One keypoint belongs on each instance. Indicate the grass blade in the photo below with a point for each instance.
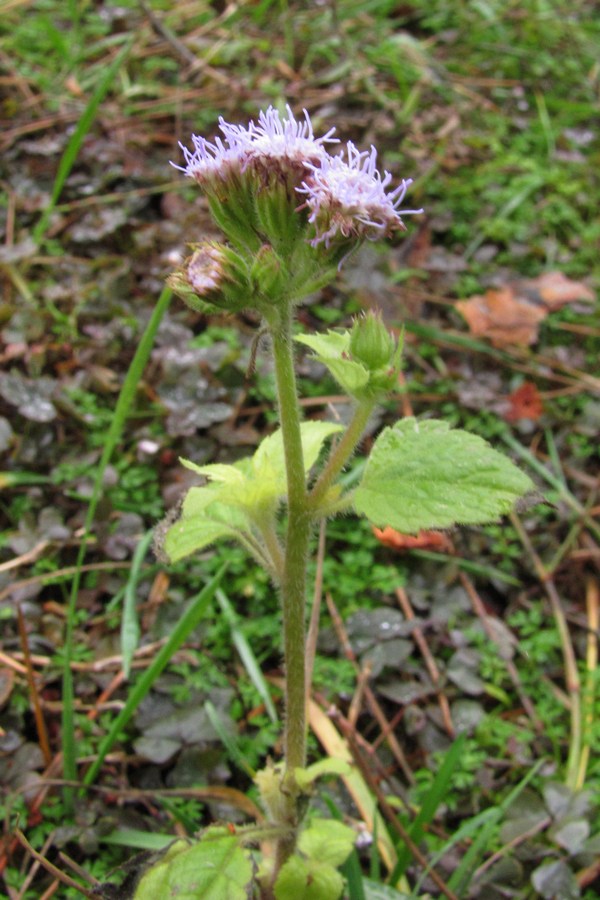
(351, 869)
(140, 840)
(462, 874)
(434, 797)
(227, 739)
(73, 147)
(130, 626)
(124, 403)
(246, 655)
(189, 620)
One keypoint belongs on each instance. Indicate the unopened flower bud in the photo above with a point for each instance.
(214, 277)
(371, 343)
(268, 274)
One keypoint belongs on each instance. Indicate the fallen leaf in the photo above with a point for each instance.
(512, 314)
(524, 403)
(424, 540)
(555, 289)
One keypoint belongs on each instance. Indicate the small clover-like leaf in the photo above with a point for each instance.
(426, 475)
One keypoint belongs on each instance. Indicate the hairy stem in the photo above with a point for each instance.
(293, 585)
(342, 452)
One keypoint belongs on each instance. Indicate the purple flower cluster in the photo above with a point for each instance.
(345, 194)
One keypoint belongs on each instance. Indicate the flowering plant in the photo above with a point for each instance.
(291, 213)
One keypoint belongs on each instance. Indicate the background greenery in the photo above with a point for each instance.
(490, 107)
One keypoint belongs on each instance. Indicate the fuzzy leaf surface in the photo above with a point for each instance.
(327, 841)
(214, 868)
(203, 520)
(301, 879)
(427, 475)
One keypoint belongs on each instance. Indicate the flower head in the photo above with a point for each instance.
(209, 161)
(271, 142)
(349, 199)
(274, 139)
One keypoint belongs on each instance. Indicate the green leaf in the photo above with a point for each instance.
(130, 626)
(328, 766)
(269, 459)
(329, 345)
(203, 521)
(333, 351)
(327, 841)
(425, 475)
(214, 868)
(301, 879)
(255, 484)
(216, 471)
(374, 890)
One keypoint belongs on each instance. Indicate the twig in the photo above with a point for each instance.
(168, 36)
(572, 680)
(40, 722)
(49, 577)
(479, 610)
(60, 876)
(372, 702)
(25, 558)
(434, 672)
(387, 810)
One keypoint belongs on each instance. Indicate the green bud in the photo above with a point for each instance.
(371, 343)
(268, 274)
(214, 277)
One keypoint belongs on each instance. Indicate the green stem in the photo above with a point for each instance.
(342, 452)
(293, 585)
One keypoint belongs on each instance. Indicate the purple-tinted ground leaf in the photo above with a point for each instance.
(562, 801)
(571, 835)
(506, 872)
(386, 654)
(122, 542)
(462, 670)
(32, 397)
(466, 715)
(156, 749)
(165, 731)
(15, 769)
(504, 639)
(448, 603)
(48, 527)
(405, 692)
(192, 418)
(555, 880)
(527, 813)
(10, 740)
(6, 434)
(366, 627)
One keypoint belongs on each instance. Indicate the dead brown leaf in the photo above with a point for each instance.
(512, 314)
(525, 403)
(424, 540)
